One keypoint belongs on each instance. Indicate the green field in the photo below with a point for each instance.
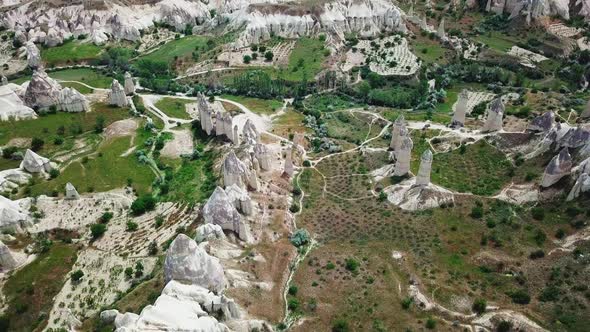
(430, 51)
(305, 60)
(257, 105)
(174, 107)
(70, 52)
(30, 290)
(177, 48)
(84, 75)
(105, 170)
(497, 41)
(48, 125)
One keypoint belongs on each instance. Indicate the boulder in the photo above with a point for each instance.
(542, 123)
(188, 263)
(220, 210)
(495, 116)
(250, 133)
(7, 259)
(109, 316)
(71, 192)
(117, 95)
(12, 216)
(13, 178)
(34, 163)
(558, 167)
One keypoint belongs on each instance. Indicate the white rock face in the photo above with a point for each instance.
(582, 185)
(494, 117)
(3, 80)
(402, 157)
(558, 167)
(458, 120)
(7, 259)
(33, 55)
(180, 307)
(263, 155)
(207, 232)
(410, 197)
(240, 199)
(533, 9)
(186, 262)
(34, 163)
(423, 177)
(117, 95)
(251, 134)
(205, 114)
(129, 84)
(220, 210)
(70, 100)
(12, 216)
(575, 138)
(234, 171)
(13, 108)
(13, 178)
(71, 192)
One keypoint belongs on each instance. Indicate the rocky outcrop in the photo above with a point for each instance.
(188, 263)
(289, 168)
(70, 100)
(117, 95)
(13, 178)
(402, 157)
(409, 196)
(575, 138)
(129, 84)
(423, 177)
(3, 80)
(558, 167)
(234, 171)
(13, 107)
(42, 92)
(495, 116)
(535, 9)
(458, 120)
(71, 192)
(33, 56)
(440, 32)
(205, 114)
(208, 232)
(34, 163)
(542, 123)
(220, 210)
(12, 216)
(582, 185)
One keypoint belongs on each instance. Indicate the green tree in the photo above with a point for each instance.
(76, 276)
(97, 230)
(479, 306)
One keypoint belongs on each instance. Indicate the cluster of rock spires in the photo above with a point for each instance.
(535, 9)
(222, 209)
(192, 297)
(117, 95)
(219, 123)
(402, 145)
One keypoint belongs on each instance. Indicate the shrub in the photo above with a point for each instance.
(537, 254)
(351, 265)
(54, 173)
(538, 213)
(560, 233)
(58, 140)
(97, 230)
(106, 217)
(549, 294)
(307, 163)
(247, 59)
(539, 237)
(430, 323)
(153, 248)
(340, 325)
(407, 302)
(8, 151)
(37, 144)
(479, 306)
(477, 212)
(293, 304)
(143, 204)
(504, 326)
(131, 226)
(293, 290)
(129, 272)
(76, 275)
(520, 296)
(300, 237)
(268, 56)
(294, 208)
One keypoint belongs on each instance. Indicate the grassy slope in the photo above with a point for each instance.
(84, 75)
(177, 48)
(30, 290)
(102, 173)
(257, 105)
(311, 52)
(46, 126)
(174, 107)
(72, 51)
